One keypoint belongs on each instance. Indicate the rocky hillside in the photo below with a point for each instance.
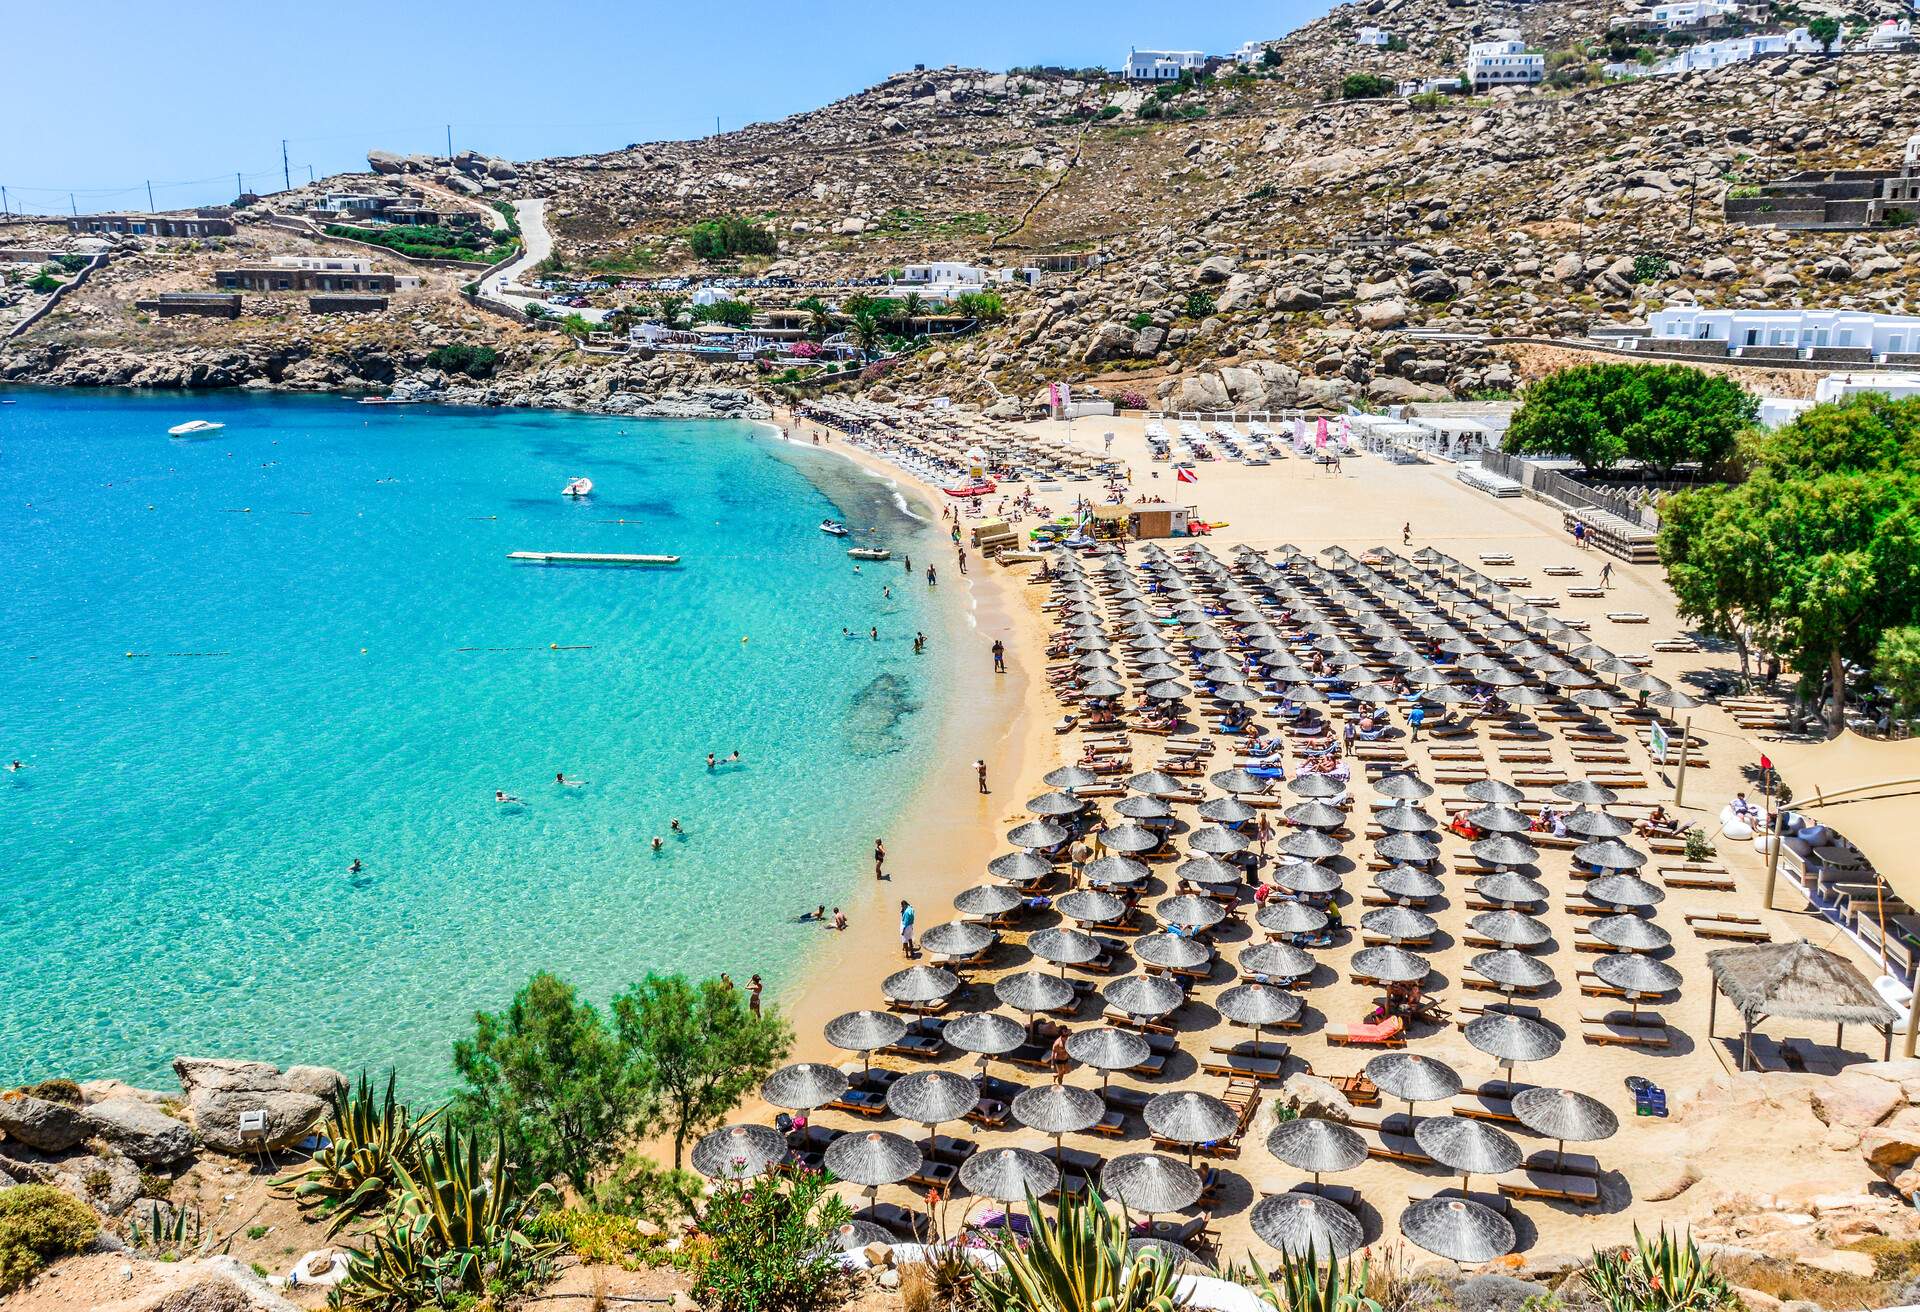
(1262, 243)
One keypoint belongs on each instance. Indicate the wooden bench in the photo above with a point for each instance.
(1614, 1034)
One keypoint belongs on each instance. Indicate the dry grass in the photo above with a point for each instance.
(1790, 1282)
(916, 1288)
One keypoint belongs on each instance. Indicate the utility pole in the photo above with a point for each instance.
(449, 143)
(716, 125)
(5, 208)
(239, 187)
(150, 208)
(72, 205)
(286, 174)
(309, 173)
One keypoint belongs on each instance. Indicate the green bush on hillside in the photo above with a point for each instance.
(1364, 86)
(721, 239)
(464, 358)
(39, 1225)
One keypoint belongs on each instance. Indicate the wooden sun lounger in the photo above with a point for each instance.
(1561, 571)
(1586, 592)
(1721, 929)
(1611, 1033)
(1677, 645)
(1393, 1147)
(1484, 1107)
(1473, 979)
(1702, 877)
(1244, 1065)
(1645, 1020)
(1627, 616)
(1528, 1182)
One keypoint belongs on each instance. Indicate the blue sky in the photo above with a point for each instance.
(189, 93)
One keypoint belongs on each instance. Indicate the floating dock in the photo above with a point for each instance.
(591, 558)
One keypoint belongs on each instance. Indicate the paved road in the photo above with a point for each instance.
(536, 243)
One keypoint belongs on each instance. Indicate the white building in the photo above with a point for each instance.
(1737, 50)
(1504, 61)
(1374, 37)
(1890, 36)
(945, 272)
(1442, 86)
(1251, 53)
(343, 264)
(1685, 15)
(1776, 411)
(1162, 65)
(1802, 330)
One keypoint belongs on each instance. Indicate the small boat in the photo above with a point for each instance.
(194, 428)
(870, 553)
(389, 400)
(833, 526)
(976, 489)
(577, 487)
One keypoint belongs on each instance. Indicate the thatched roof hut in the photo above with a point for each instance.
(1796, 981)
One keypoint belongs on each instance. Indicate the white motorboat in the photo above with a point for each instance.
(577, 487)
(870, 553)
(833, 526)
(195, 428)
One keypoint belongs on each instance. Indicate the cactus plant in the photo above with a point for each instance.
(368, 1140)
(1665, 1274)
(1078, 1262)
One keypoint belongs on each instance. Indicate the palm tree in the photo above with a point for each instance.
(865, 330)
(912, 306)
(822, 316)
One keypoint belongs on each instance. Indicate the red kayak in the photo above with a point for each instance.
(980, 489)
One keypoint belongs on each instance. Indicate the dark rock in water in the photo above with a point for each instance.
(51, 1127)
(875, 718)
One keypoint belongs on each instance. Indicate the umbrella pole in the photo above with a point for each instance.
(1559, 1153)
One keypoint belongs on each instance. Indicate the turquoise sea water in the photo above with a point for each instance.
(332, 658)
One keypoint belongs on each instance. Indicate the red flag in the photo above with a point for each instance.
(1185, 476)
(1765, 764)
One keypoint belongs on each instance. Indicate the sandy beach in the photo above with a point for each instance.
(1718, 1154)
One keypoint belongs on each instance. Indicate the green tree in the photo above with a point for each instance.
(912, 306)
(1364, 86)
(1824, 30)
(1662, 415)
(1866, 432)
(866, 330)
(670, 304)
(735, 314)
(1720, 577)
(697, 1049)
(821, 317)
(552, 1076)
(1896, 666)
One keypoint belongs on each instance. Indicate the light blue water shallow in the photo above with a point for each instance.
(334, 659)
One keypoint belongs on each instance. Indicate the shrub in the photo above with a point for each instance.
(1076, 1261)
(643, 1189)
(1303, 1284)
(55, 1091)
(735, 314)
(474, 362)
(1149, 109)
(1698, 846)
(425, 243)
(1648, 267)
(1131, 400)
(720, 239)
(1743, 191)
(1140, 320)
(1111, 111)
(1667, 1274)
(42, 282)
(1364, 86)
(1198, 305)
(38, 1225)
(761, 1245)
(605, 1238)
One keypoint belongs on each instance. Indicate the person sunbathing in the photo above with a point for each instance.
(1745, 810)
(1463, 826)
(1658, 824)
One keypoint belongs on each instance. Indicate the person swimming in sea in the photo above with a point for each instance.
(354, 869)
(15, 766)
(657, 844)
(733, 758)
(505, 799)
(564, 782)
(673, 826)
(710, 762)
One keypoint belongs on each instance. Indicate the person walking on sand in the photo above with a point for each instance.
(1606, 575)
(999, 656)
(1406, 534)
(1057, 1055)
(933, 579)
(754, 986)
(980, 773)
(1264, 834)
(906, 563)
(879, 859)
(963, 560)
(906, 928)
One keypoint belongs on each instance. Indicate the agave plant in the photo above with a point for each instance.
(1666, 1274)
(167, 1229)
(1078, 1262)
(1302, 1284)
(458, 1224)
(369, 1139)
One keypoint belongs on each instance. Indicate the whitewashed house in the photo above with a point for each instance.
(1737, 50)
(1800, 330)
(1776, 411)
(1162, 65)
(1504, 61)
(1889, 37)
(1375, 38)
(1251, 54)
(944, 271)
(1692, 15)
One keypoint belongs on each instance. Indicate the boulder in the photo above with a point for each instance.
(1200, 392)
(141, 1131)
(217, 1284)
(51, 1127)
(1719, 269)
(197, 1073)
(1292, 296)
(1109, 340)
(1434, 285)
(1390, 313)
(1858, 1102)
(1215, 268)
(217, 1115)
(385, 161)
(320, 1081)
